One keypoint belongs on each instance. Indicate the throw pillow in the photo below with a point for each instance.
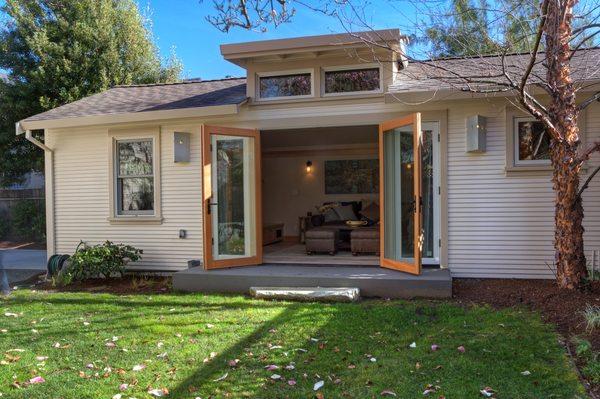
(330, 215)
(371, 212)
(346, 212)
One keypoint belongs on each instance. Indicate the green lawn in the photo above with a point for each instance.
(358, 350)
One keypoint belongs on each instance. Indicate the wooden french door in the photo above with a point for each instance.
(231, 195)
(400, 196)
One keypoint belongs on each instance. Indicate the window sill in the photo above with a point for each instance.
(534, 169)
(135, 220)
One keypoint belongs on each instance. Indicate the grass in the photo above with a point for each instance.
(591, 315)
(333, 343)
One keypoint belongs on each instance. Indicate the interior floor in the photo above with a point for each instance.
(288, 252)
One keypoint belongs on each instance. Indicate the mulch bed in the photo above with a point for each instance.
(122, 286)
(563, 308)
(22, 245)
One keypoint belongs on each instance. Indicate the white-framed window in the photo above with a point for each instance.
(352, 79)
(285, 84)
(531, 142)
(134, 176)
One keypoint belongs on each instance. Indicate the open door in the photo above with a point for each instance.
(400, 142)
(231, 195)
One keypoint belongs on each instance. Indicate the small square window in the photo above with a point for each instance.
(289, 85)
(532, 142)
(134, 177)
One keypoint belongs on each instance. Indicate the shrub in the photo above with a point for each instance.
(29, 220)
(103, 260)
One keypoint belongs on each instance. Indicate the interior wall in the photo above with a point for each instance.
(290, 192)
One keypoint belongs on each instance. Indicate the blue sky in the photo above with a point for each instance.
(182, 24)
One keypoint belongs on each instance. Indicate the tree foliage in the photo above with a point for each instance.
(464, 29)
(58, 51)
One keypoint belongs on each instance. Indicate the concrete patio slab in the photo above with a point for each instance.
(371, 281)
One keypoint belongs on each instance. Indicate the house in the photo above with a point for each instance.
(324, 129)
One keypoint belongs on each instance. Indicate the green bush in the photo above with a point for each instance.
(103, 260)
(29, 220)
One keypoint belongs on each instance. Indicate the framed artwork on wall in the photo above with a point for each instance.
(352, 176)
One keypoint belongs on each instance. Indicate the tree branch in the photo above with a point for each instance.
(587, 181)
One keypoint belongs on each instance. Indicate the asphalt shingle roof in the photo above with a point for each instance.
(153, 97)
(450, 73)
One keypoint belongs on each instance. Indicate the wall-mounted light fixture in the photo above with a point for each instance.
(181, 147)
(308, 166)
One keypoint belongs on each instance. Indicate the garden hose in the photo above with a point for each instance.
(56, 263)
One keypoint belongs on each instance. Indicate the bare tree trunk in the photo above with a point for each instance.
(568, 235)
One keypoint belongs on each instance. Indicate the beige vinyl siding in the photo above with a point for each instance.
(498, 224)
(502, 225)
(81, 177)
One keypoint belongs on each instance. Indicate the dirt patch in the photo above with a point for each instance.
(22, 245)
(123, 286)
(563, 308)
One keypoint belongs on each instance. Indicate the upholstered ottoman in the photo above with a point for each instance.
(321, 240)
(364, 240)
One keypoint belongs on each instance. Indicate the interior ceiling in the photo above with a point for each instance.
(337, 135)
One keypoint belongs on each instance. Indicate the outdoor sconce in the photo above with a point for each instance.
(181, 147)
(308, 166)
(476, 133)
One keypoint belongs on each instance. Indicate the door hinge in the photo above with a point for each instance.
(440, 242)
(439, 190)
(210, 147)
(212, 241)
(438, 137)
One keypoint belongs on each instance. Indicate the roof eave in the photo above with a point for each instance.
(132, 117)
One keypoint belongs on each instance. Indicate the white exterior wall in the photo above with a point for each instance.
(81, 199)
(499, 225)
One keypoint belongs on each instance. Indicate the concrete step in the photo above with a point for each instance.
(320, 294)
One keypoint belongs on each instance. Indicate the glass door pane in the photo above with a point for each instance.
(399, 206)
(233, 193)
(428, 185)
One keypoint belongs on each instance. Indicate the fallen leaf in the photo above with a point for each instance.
(37, 380)
(290, 367)
(487, 392)
(434, 347)
(271, 367)
(158, 392)
(275, 377)
(373, 360)
(41, 358)
(117, 396)
(413, 345)
(318, 385)
(291, 382)
(9, 314)
(388, 393)
(526, 372)
(221, 378)
(162, 355)
(110, 345)
(123, 387)
(461, 349)
(139, 367)
(234, 362)
(210, 325)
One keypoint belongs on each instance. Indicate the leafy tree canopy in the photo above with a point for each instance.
(464, 29)
(58, 51)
